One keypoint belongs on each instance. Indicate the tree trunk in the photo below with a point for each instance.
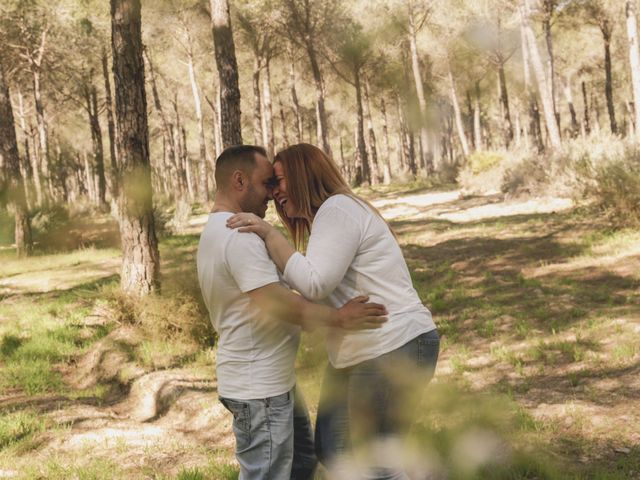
(267, 112)
(634, 60)
(373, 149)
(585, 102)
(458, 116)
(386, 163)
(363, 161)
(422, 102)
(27, 163)
(96, 140)
(257, 103)
(225, 51)
(283, 120)
(203, 188)
(111, 126)
(169, 146)
(549, 6)
(322, 124)
(140, 256)
(543, 84)
(14, 183)
(43, 135)
(534, 128)
(477, 127)
(574, 118)
(402, 147)
(215, 127)
(605, 28)
(294, 100)
(182, 155)
(507, 126)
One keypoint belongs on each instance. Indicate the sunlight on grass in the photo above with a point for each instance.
(10, 265)
(16, 426)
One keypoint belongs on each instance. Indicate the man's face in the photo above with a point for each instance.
(258, 191)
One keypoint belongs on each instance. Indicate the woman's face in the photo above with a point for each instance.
(280, 192)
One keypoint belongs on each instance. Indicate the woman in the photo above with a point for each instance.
(369, 393)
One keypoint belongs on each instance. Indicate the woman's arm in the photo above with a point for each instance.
(280, 250)
(333, 244)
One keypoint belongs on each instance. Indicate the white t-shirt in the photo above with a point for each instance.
(352, 252)
(256, 354)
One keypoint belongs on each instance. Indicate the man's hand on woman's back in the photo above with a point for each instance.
(358, 314)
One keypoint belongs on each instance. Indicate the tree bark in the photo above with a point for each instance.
(322, 124)
(169, 146)
(363, 161)
(634, 60)
(267, 111)
(43, 135)
(91, 99)
(458, 116)
(12, 181)
(543, 84)
(140, 256)
(477, 127)
(203, 188)
(283, 121)
(372, 144)
(182, 155)
(535, 131)
(422, 102)
(605, 28)
(386, 163)
(225, 52)
(257, 103)
(549, 6)
(585, 102)
(572, 110)
(507, 126)
(111, 126)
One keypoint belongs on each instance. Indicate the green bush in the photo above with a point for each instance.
(614, 184)
(618, 189)
(48, 218)
(484, 160)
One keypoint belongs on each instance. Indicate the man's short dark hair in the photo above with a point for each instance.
(237, 157)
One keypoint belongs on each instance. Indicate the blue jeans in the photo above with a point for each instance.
(273, 437)
(373, 401)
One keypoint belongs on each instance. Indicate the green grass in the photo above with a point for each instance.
(18, 426)
(10, 265)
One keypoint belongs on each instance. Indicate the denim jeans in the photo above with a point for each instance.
(273, 437)
(372, 403)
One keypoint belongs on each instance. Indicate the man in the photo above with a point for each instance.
(258, 324)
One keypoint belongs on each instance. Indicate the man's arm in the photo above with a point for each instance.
(281, 303)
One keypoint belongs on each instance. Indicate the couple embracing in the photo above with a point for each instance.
(353, 282)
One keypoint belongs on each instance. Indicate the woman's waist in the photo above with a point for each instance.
(348, 347)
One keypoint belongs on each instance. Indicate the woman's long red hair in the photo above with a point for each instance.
(312, 177)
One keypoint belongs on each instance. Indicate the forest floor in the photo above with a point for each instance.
(537, 303)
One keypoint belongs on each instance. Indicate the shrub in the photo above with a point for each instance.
(177, 316)
(482, 161)
(525, 177)
(48, 218)
(614, 184)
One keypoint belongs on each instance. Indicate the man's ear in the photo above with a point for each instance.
(238, 180)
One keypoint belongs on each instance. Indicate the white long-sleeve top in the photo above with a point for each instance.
(352, 252)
